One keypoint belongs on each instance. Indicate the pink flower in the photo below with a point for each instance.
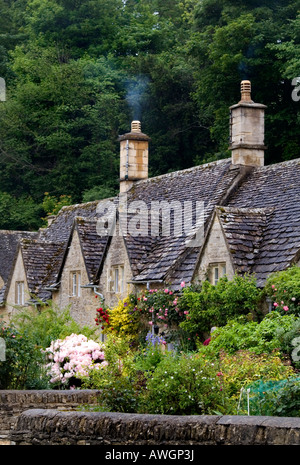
(166, 291)
(186, 312)
(151, 323)
(273, 287)
(275, 304)
(285, 308)
(182, 284)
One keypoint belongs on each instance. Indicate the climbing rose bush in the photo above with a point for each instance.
(72, 358)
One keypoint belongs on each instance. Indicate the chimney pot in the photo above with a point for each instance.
(136, 126)
(246, 92)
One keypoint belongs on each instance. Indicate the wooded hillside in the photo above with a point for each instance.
(78, 71)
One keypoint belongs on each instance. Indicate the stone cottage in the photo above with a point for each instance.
(233, 215)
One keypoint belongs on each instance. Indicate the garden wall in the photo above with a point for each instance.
(53, 427)
(13, 403)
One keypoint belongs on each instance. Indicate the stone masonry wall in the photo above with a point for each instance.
(13, 403)
(53, 427)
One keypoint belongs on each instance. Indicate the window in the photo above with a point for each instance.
(116, 279)
(216, 271)
(75, 283)
(20, 297)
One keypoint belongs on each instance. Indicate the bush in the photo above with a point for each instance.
(123, 320)
(72, 358)
(184, 384)
(283, 288)
(159, 306)
(258, 337)
(119, 382)
(245, 367)
(47, 324)
(24, 364)
(216, 305)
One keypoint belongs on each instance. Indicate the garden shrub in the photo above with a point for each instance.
(120, 381)
(123, 320)
(214, 305)
(283, 288)
(71, 358)
(24, 364)
(288, 399)
(183, 384)
(160, 307)
(245, 367)
(259, 337)
(48, 323)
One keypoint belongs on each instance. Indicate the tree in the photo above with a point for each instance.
(59, 126)
(234, 41)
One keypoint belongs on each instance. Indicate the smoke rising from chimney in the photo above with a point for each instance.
(136, 93)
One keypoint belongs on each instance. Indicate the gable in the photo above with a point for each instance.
(214, 251)
(74, 258)
(116, 256)
(18, 275)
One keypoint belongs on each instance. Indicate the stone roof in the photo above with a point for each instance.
(278, 187)
(259, 214)
(61, 227)
(9, 242)
(93, 245)
(158, 258)
(244, 232)
(42, 261)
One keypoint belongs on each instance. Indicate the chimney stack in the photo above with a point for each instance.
(134, 150)
(247, 130)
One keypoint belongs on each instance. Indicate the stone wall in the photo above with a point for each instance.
(83, 307)
(13, 403)
(53, 427)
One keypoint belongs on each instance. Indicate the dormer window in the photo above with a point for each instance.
(216, 271)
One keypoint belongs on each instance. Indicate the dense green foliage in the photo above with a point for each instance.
(26, 337)
(249, 366)
(284, 291)
(78, 71)
(214, 305)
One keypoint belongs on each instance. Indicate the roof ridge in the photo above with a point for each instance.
(186, 170)
(281, 163)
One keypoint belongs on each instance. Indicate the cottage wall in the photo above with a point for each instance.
(215, 251)
(83, 307)
(116, 255)
(19, 274)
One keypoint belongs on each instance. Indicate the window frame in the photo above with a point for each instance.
(216, 271)
(75, 283)
(116, 279)
(20, 293)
